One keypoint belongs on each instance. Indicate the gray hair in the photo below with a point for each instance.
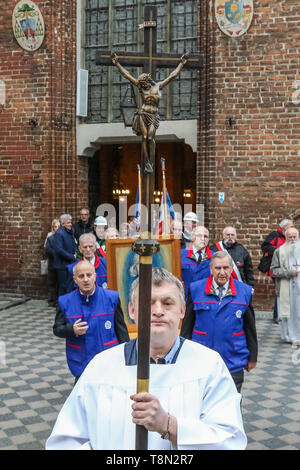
(89, 235)
(111, 230)
(285, 222)
(64, 217)
(159, 275)
(220, 255)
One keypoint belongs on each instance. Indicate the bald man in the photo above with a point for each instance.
(90, 318)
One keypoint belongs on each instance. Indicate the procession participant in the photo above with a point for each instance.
(190, 221)
(285, 267)
(100, 226)
(90, 318)
(192, 401)
(64, 252)
(83, 225)
(176, 230)
(218, 316)
(88, 250)
(274, 240)
(195, 258)
(242, 263)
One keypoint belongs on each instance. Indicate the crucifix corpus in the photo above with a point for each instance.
(145, 123)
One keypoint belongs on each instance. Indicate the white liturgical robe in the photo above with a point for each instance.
(198, 390)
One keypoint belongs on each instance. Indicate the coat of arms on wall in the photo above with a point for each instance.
(28, 25)
(234, 16)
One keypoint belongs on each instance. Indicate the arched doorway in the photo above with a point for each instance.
(113, 173)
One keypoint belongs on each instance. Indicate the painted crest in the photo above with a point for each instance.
(234, 16)
(28, 25)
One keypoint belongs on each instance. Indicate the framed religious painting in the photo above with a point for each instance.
(123, 267)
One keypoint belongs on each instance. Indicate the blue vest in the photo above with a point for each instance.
(191, 271)
(98, 312)
(219, 324)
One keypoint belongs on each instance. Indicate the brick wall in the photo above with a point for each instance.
(255, 158)
(40, 173)
(254, 161)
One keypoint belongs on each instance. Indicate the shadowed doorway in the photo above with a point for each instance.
(113, 174)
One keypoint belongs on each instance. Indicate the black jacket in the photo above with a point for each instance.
(242, 259)
(50, 251)
(80, 228)
(274, 240)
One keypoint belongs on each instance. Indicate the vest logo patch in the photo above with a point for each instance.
(107, 325)
(238, 313)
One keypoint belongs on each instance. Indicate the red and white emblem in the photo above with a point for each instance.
(234, 16)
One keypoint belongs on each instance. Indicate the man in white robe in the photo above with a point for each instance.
(192, 401)
(285, 267)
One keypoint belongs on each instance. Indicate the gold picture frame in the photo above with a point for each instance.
(122, 266)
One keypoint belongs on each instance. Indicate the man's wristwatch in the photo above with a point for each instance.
(166, 435)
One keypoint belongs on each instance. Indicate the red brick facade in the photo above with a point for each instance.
(249, 137)
(40, 172)
(248, 134)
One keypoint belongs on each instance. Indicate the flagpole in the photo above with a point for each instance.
(166, 230)
(140, 193)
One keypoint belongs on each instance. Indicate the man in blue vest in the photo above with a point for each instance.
(218, 317)
(90, 318)
(195, 258)
(88, 251)
(192, 401)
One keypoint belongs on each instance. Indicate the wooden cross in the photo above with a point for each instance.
(149, 59)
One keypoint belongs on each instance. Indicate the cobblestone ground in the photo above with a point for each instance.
(35, 381)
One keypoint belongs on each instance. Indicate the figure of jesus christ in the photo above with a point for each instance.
(146, 119)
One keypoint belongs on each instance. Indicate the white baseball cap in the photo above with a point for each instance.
(191, 217)
(100, 220)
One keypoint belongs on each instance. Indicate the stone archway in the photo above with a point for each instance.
(114, 166)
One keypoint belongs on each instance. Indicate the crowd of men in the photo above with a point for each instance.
(210, 308)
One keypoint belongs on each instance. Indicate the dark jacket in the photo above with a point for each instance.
(64, 248)
(274, 240)
(242, 259)
(50, 250)
(80, 228)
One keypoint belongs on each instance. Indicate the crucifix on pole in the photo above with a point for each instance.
(145, 123)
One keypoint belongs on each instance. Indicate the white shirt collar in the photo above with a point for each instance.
(196, 254)
(92, 261)
(216, 286)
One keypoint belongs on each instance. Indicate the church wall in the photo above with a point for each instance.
(252, 157)
(40, 174)
(254, 154)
